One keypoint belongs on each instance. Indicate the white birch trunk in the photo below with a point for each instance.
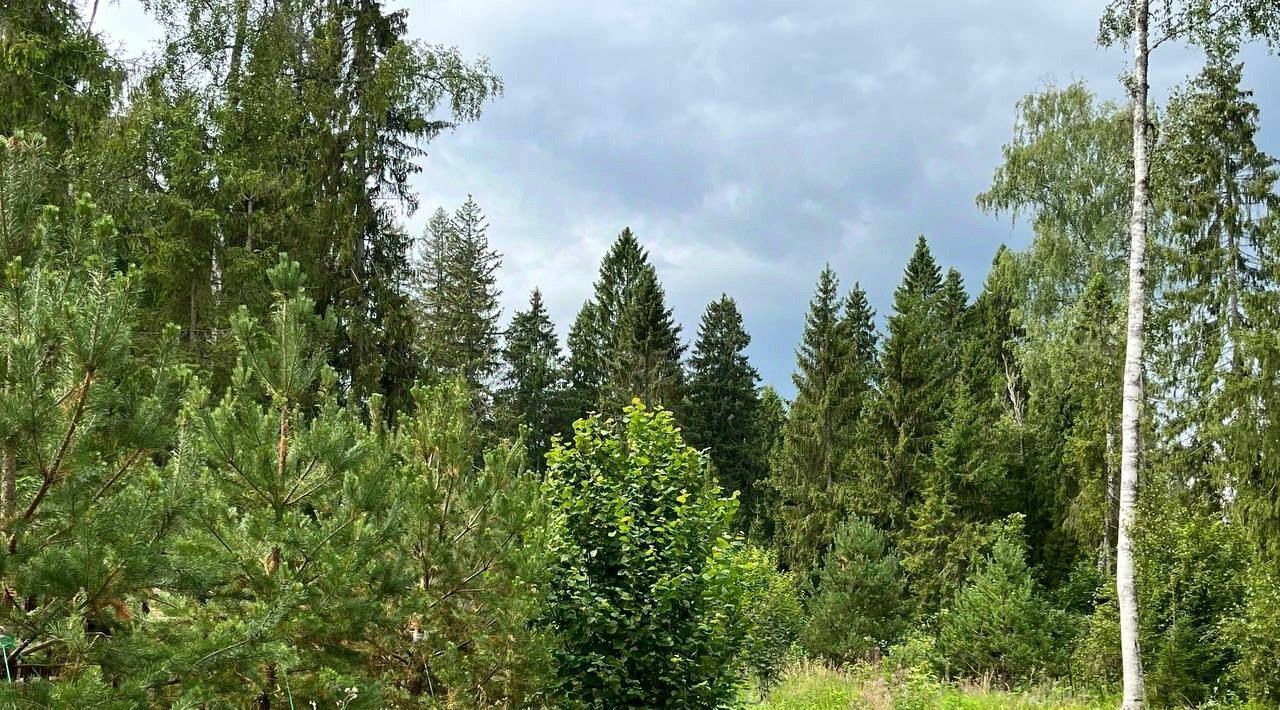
(1131, 413)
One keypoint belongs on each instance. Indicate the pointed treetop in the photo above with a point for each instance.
(923, 278)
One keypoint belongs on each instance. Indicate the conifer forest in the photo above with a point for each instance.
(271, 437)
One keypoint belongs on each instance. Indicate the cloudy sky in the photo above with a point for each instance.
(748, 142)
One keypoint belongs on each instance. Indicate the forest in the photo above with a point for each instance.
(262, 446)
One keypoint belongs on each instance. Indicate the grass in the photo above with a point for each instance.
(811, 686)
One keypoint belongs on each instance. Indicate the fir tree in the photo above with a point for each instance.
(532, 389)
(722, 406)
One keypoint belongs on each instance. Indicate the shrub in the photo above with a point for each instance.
(771, 614)
(1255, 636)
(643, 595)
(999, 625)
(861, 601)
(1190, 575)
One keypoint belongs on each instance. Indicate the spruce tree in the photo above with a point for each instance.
(646, 356)
(770, 419)
(915, 370)
(531, 395)
(460, 297)
(1220, 190)
(722, 406)
(584, 368)
(620, 271)
(811, 464)
(625, 342)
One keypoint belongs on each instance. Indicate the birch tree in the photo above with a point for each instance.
(1218, 27)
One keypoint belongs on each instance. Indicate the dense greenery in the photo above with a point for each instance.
(261, 446)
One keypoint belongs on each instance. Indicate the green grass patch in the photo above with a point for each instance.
(809, 686)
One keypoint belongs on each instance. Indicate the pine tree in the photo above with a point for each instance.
(861, 604)
(722, 406)
(285, 565)
(811, 464)
(94, 475)
(470, 553)
(999, 624)
(532, 391)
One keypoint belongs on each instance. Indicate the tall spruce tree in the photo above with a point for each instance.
(811, 464)
(56, 76)
(245, 86)
(915, 369)
(722, 406)
(584, 368)
(1220, 190)
(460, 298)
(625, 342)
(646, 355)
(532, 391)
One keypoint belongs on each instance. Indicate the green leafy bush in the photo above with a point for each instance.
(771, 612)
(1190, 566)
(1255, 636)
(999, 625)
(644, 596)
(861, 604)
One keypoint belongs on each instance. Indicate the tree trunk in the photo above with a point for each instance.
(1131, 413)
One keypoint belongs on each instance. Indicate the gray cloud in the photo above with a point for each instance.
(747, 142)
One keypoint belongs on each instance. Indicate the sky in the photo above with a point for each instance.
(748, 142)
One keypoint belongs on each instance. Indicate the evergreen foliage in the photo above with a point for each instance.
(722, 407)
(93, 477)
(861, 603)
(531, 397)
(999, 624)
(218, 489)
(811, 463)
